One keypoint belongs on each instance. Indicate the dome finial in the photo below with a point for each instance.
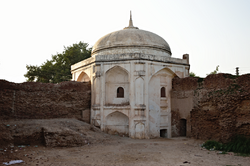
(130, 21)
(131, 26)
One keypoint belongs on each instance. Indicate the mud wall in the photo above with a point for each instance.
(182, 99)
(217, 107)
(33, 100)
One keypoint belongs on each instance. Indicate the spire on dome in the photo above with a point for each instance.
(131, 21)
(131, 26)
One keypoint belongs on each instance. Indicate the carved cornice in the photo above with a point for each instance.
(128, 57)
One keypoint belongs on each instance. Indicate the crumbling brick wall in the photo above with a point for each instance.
(182, 101)
(220, 106)
(33, 100)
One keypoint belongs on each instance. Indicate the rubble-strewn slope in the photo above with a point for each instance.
(50, 132)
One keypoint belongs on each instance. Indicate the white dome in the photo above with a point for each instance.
(131, 40)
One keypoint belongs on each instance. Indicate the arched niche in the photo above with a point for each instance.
(166, 69)
(140, 130)
(117, 123)
(114, 78)
(158, 103)
(83, 77)
(159, 83)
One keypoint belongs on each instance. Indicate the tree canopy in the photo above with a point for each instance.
(192, 74)
(58, 69)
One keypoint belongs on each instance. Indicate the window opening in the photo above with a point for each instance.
(120, 92)
(163, 92)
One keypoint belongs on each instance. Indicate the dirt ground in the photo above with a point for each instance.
(125, 151)
(112, 150)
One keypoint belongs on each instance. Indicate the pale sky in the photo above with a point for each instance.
(212, 32)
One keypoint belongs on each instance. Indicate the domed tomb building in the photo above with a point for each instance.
(131, 73)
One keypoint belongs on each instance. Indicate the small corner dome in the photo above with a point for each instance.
(131, 40)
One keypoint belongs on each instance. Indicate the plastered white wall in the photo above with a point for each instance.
(142, 113)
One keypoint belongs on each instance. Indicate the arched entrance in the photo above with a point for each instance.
(83, 77)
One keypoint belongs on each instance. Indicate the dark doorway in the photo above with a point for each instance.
(183, 127)
(164, 133)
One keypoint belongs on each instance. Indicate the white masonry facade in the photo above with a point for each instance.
(131, 72)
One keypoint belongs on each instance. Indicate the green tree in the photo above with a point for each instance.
(192, 74)
(58, 69)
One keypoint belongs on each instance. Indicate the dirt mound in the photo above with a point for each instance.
(50, 132)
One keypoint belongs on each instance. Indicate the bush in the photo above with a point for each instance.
(213, 145)
(239, 144)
